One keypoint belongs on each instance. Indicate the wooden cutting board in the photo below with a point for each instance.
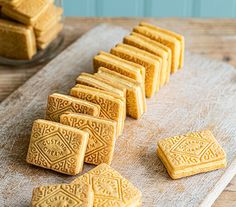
(201, 96)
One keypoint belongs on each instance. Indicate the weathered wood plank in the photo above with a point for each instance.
(197, 97)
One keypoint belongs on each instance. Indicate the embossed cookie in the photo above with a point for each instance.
(102, 136)
(150, 62)
(135, 95)
(17, 41)
(190, 154)
(57, 147)
(168, 40)
(110, 188)
(72, 195)
(170, 33)
(156, 48)
(28, 11)
(119, 65)
(111, 107)
(59, 104)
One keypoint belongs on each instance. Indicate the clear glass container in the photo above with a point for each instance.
(41, 56)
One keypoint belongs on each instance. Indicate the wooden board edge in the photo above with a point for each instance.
(219, 187)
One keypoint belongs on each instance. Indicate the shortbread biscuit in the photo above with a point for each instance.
(169, 41)
(110, 188)
(152, 64)
(102, 136)
(135, 95)
(50, 35)
(119, 65)
(46, 21)
(111, 107)
(57, 147)
(173, 34)
(69, 195)
(12, 3)
(28, 11)
(17, 41)
(155, 48)
(190, 154)
(59, 104)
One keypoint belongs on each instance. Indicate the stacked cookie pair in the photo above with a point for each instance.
(28, 25)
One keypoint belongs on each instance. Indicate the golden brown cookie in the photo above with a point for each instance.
(72, 195)
(17, 41)
(60, 103)
(110, 188)
(135, 95)
(152, 64)
(111, 107)
(102, 136)
(190, 154)
(156, 48)
(57, 147)
(168, 40)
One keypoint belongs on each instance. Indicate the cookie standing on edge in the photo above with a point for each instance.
(69, 195)
(102, 136)
(190, 154)
(110, 188)
(60, 103)
(57, 147)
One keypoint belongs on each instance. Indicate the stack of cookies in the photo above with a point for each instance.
(36, 23)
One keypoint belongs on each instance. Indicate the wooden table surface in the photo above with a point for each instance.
(215, 38)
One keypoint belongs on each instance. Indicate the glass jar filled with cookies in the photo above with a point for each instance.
(30, 31)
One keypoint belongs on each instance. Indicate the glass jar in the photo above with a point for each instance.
(42, 55)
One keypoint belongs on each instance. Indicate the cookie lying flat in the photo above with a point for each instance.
(152, 64)
(57, 147)
(72, 195)
(28, 11)
(17, 41)
(190, 154)
(173, 34)
(102, 136)
(119, 65)
(135, 95)
(155, 48)
(46, 21)
(111, 107)
(169, 41)
(110, 188)
(59, 104)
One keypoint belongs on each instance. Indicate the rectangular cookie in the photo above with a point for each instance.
(28, 11)
(102, 136)
(12, 3)
(190, 154)
(46, 21)
(17, 41)
(110, 188)
(135, 95)
(60, 103)
(169, 41)
(57, 147)
(69, 195)
(119, 65)
(150, 62)
(173, 34)
(156, 48)
(111, 107)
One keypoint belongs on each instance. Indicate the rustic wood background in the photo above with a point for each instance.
(214, 38)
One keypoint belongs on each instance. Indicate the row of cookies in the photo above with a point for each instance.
(26, 25)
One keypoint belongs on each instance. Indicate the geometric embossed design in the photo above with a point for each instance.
(102, 135)
(59, 104)
(110, 188)
(73, 195)
(190, 154)
(111, 107)
(57, 147)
